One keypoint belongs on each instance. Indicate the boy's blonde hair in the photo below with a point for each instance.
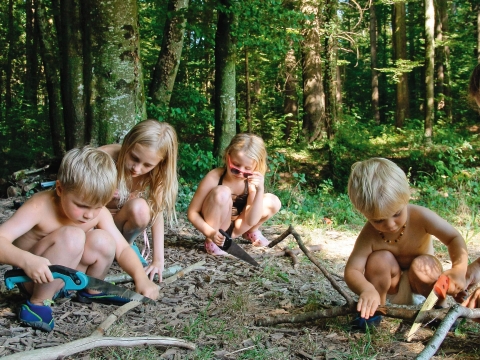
(90, 173)
(253, 147)
(161, 185)
(377, 187)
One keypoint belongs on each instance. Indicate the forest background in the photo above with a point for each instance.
(325, 83)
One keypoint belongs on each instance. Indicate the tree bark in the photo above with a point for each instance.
(400, 52)
(248, 116)
(117, 99)
(225, 82)
(374, 64)
(329, 76)
(168, 61)
(71, 38)
(29, 104)
(429, 69)
(52, 78)
(313, 92)
(290, 100)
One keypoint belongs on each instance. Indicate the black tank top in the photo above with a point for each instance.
(239, 201)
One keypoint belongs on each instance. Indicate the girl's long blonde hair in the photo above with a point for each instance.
(160, 187)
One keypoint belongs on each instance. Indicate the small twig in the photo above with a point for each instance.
(240, 350)
(326, 273)
(290, 253)
(183, 272)
(103, 327)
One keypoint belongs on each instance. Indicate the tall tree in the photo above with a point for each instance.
(29, 103)
(71, 32)
(313, 92)
(290, 101)
(225, 82)
(429, 68)
(374, 64)
(50, 59)
(165, 71)
(400, 53)
(117, 97)
(442, 57)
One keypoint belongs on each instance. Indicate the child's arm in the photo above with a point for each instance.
(194, 212)
(158, 262)
(369, 298)
(254, 208)
(22, 221)
(127, 258)
(457, 249)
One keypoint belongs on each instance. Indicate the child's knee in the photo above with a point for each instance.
(426, 268)
(220, 194)
(139, 212)
(381, 261)
(71, 239)
(100, 242)
(272, 203)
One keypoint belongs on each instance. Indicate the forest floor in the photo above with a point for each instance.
(216, 306)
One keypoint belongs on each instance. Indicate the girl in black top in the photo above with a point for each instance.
(232, 197)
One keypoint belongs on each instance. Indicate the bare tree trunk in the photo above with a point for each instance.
(248, 117)
(400, 52)
(71, 41)
(117, 99)
(225, 82)
(429, 68)
(168, 61)
(313, 92)
(290, 100)
(52, 78)
(373, 64)
(29, 103)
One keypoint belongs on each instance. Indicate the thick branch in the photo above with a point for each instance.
(435, 342)
(281, 237)
(88, 343)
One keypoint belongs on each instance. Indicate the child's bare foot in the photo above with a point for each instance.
(213, 249)
(257, 238)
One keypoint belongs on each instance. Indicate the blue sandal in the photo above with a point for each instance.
(360, 323)
(37, 316)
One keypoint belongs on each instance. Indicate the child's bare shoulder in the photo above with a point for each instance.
(111, 149)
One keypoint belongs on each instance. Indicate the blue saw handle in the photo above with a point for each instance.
(74, 280)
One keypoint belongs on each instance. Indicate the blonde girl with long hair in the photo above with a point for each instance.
(147, 185)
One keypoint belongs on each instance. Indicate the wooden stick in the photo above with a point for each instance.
(290, 253)
(281, 237)
(97, 340)
(88, 343)
(455, 312)
(183, 272)
(335, 285)
(124, 278)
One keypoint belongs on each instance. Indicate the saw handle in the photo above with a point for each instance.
(441, 286)
(228, 240)
(74, 280)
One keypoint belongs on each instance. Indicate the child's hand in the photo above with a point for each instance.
(457, 282)
(472, 278)
(217, 237)
(156, 267)
(37, 270)
(368, 302)
(147, 288)
(472, 302)
(256, 182)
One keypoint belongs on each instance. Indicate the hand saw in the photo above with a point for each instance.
(439, 292)
(232, 248)
(77, 280)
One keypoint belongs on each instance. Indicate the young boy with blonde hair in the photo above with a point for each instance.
(393, 255)
(69, 226)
